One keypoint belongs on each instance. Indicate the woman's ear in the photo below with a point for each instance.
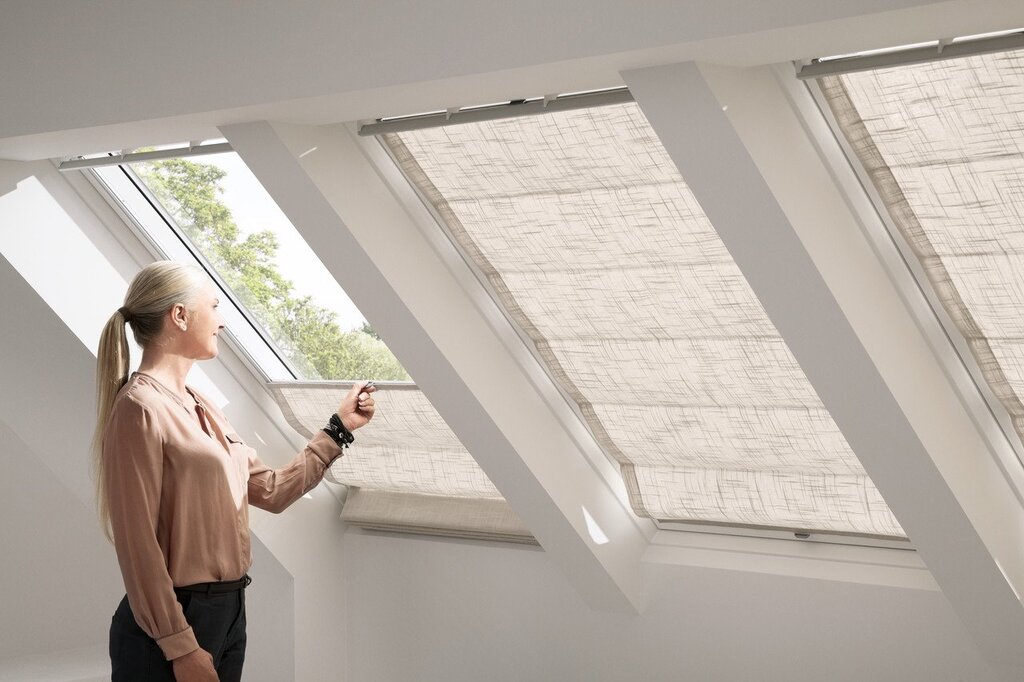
(179, 316)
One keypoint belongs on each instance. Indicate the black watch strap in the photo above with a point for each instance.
(337, 431)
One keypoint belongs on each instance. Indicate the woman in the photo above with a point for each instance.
(174, 484)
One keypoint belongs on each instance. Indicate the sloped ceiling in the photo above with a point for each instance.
(317, 62)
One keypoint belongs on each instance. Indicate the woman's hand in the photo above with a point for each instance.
(357, 406)
(195, 667)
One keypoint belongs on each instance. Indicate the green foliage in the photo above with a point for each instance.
(368, 330)
(307, 334)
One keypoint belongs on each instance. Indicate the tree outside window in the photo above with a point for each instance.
(308, 334)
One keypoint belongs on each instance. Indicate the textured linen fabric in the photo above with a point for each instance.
(412, 474)
(178, 493)
(589, 239)
(942, 144)
(435, 515)
(407, 447)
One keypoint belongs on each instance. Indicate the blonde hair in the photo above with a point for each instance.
(153, 292)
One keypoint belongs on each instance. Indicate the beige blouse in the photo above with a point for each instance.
(178, 495)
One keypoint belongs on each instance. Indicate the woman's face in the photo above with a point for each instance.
(200, 337)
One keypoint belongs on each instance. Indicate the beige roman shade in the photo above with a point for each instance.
(943, 143)
(588, 238)
(407, 471)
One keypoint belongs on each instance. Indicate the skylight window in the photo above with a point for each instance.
(590, 240)
(412, 474)
(221, 213)
(942, 144)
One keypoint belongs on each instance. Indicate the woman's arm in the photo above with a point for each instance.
(133, 474)
(275, 489)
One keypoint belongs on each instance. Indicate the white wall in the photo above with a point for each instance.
(423, 609)
(55, 566)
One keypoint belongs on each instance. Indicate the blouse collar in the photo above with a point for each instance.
(174, 394)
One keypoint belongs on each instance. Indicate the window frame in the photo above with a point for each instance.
(153, 226)
(432, 225)
(518, 342)
(901, 265)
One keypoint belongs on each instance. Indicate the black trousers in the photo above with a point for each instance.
(218, 621)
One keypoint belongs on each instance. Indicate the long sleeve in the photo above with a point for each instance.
(275, 489)
(133, 454)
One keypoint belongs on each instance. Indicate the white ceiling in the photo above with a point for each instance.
(73, 80)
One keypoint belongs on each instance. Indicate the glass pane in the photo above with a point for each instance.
(224, 211)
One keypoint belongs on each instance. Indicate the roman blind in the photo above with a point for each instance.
(943, 144)
(589, 239)
(406, 471)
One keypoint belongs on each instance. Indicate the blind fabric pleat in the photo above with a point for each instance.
(406, 470)
(431, 515)
(588, 238)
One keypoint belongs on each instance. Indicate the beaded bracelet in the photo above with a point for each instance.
(337, 431)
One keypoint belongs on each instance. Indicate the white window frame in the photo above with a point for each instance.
(432, 226)
(897, 258)
(163, 238)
